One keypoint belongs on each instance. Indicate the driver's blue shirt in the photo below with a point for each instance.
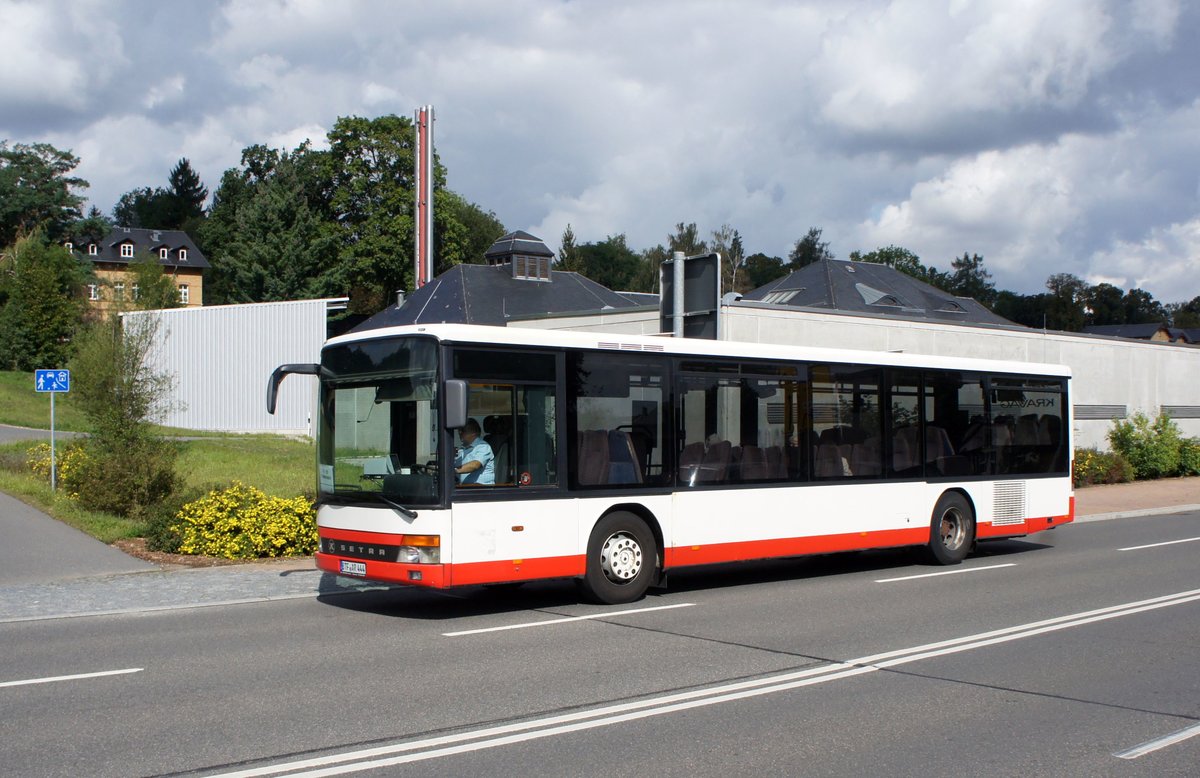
(478, 451)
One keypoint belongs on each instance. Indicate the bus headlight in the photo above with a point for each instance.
(421, 550)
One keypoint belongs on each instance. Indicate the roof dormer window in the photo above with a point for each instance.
(162, 252)
(531, 268)
(127, 250)
(183, 255)
(69, 246)
(93, 249)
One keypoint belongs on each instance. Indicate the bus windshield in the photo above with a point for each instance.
(377, 436)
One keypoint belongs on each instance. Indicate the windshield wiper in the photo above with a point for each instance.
(405, 512)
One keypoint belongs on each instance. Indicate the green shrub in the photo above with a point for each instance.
(128, 479)
(162, 532)
(241, 522)
(70, 459)
(1093, 466)
(1151, 447)
(1189, 457)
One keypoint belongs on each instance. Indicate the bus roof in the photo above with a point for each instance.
(569, 339)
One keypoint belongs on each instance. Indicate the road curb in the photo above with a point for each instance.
(1135, 514)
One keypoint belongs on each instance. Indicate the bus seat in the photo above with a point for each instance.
(830, 462)
(1027, 430)
(776, 464)
(866, 459)
(754, 464)
(495, 429)
(689, 463)
(622, 459)
(937, 444)
(593, 457)
(906, 455)
(715, 465)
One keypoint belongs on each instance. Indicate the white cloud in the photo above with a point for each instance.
(1165, 262)
(56, 54)
(1045, 137)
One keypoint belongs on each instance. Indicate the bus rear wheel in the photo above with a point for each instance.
(621, 560)
(951, 530)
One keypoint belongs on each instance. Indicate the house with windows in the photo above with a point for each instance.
(112, 255)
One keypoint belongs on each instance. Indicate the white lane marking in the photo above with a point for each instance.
(946, 572)
(491, 737)
(1156, 545)
(1162, 742)
(78, 677)
(565, 620)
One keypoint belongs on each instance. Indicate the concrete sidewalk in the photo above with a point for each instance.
(94, 579)
(1142, 498)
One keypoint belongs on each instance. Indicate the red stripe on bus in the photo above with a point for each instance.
(681, 556)
(517, 570)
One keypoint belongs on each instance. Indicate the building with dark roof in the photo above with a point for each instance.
(1156, 331)
(112, 255)
(865, 287)
(517, 282)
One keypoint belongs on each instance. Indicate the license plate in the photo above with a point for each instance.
(354, 568)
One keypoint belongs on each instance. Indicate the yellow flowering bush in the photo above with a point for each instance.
(72, 460)
(242, 522)
(1093, 466)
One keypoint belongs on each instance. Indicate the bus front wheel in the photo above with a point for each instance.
(951, 530)
(621, 560)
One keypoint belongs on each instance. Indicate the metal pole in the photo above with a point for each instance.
(53, 460)
(677, 310)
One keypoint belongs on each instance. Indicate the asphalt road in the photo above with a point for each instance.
(1045, 656)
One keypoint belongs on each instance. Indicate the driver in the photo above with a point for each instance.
(474, 462)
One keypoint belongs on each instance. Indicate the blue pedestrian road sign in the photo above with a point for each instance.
(52, 380)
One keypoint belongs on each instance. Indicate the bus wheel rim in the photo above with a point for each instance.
(952, 529)
(621, 557)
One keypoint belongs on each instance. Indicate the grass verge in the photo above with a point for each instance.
(279, 466)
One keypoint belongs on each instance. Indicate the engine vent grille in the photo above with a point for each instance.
(1009, 502)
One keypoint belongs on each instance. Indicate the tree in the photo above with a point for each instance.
(90, 229)
(808, 250)
(271, 243)
(568, 252)
(41, 287)
(1186, 315)
(1103, 303)
(906, 262)
(188, 194)
(1029, 310)
(728, 243)
(1065, 306)
(649, 274)
(1141, 308)
(762, 270)
(895, 257)
(480, 228)
(125, 469)
(36, 191)
(970, 279)
(686, 238)
(610, 262)
(151, 288)
(146, 208)
(179, 206)
(370, 179)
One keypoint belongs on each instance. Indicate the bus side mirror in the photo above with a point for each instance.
(277, 377)
(456, 403)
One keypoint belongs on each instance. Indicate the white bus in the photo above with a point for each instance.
(620, 458)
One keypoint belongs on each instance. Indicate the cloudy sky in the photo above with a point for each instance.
(1047, 137)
